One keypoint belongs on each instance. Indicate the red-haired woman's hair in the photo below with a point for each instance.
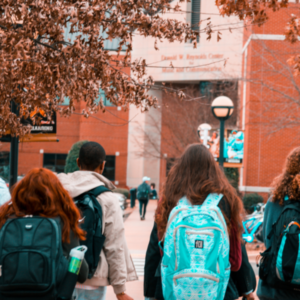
(40, 193)
(196, 175)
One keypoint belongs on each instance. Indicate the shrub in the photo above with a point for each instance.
(233, 176)
(124, 192)
(250, 200)
(71, 164)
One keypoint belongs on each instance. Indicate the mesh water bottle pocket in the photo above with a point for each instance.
(192, 284)
(265, 264)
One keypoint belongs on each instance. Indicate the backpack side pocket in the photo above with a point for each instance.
(265, 264)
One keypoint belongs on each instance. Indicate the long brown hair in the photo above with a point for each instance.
(40, 193)
(288, 183)
(196, 175)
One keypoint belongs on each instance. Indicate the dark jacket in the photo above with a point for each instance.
(265, 292)
(143, 188)
(152, 278)
(244, 279)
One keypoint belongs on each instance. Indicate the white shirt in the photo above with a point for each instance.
(4, 192)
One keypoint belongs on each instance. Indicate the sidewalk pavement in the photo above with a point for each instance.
(137, 235)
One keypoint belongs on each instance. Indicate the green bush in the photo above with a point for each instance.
(250, 200)
(71, 164)
(124, 192)
(233, 176)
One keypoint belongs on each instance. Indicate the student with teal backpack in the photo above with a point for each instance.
(199, 225)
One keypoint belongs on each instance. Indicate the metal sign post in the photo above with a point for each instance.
(14, 153)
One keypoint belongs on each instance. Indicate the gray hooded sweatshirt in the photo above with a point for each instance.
(115, 266)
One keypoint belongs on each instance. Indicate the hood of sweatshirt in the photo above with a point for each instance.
(80, 182)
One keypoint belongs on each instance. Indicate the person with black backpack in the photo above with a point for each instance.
(279, 267)
(107, 255)
(143, 192)
(39, 228)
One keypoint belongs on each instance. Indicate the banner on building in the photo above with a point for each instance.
(233, 145)
(46, 125)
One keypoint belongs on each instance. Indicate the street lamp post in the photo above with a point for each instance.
(222, 109)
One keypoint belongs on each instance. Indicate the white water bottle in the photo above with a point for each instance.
(76, 258)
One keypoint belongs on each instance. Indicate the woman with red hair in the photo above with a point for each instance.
(40, 193)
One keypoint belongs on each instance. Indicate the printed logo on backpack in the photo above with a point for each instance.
(195, 263)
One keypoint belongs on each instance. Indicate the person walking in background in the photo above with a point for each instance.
(280, 279)
(47, 212)
(115, 265)
(4, 192)
(153, 191)
(143, 193)
(196, 180)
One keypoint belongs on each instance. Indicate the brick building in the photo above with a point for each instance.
(262, 85)
(270, 103)
(200, 72)
(110, 129)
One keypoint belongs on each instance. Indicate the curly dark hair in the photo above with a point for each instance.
(195, 175)
(288, 183)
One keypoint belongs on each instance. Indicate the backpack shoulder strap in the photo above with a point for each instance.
(288, 205)
(99, 190)
(212, 200)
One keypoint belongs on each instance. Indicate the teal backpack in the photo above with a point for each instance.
(195, 263)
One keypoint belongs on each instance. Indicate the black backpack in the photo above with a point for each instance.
(91, 212)
(280, 264)
(143, 191)
(32, 264)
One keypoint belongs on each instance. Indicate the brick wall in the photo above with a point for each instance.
(272, 102)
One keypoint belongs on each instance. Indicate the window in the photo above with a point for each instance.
(195, 15)
(170, 163)
(106, 102)
(110, 45)
(206, 89)
(102, 95)
(66, 101)
(4, 165)
(55, 162)
(110, 167)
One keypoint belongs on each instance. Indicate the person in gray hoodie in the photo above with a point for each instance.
(115, 265)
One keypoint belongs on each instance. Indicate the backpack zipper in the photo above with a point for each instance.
(221, 218)
(195, 232)
(199, 229)
(171, 219)
(210, 277)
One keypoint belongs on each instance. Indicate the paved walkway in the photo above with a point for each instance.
(137, 234)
